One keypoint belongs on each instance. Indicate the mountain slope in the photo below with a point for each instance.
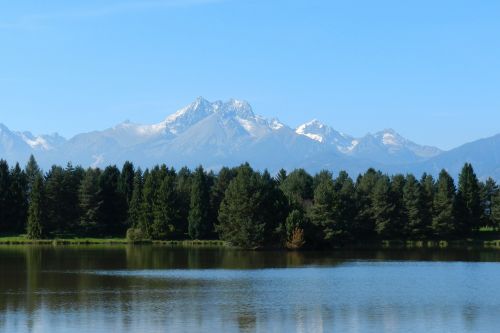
(484, 154)
(384, 147)
(217, 134)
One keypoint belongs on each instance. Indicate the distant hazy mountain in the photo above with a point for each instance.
(484, 155)
(218, 133)
(385, 147)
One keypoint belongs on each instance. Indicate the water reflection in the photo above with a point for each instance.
(162, 289)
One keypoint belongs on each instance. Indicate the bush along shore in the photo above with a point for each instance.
(245, 208)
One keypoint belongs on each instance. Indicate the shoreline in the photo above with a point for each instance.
(370, 245)
(107, 241)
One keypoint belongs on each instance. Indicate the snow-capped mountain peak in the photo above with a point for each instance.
(188, 116)
(318, 131)
(314, 130)
(390, 137)
(215, 134)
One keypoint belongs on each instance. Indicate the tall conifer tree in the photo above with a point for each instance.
(417, 226)
(135, 206)
(443, 222)
(200, 225)
(36, 214)
(469, 201)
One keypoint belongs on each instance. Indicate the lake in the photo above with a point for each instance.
(167, 289)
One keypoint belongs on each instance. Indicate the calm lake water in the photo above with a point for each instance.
(163, 289)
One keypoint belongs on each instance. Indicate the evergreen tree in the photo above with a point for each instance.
(4, 196)
(468, 201)
(428, 188)
(413, 199)
(18, 207)
(55, 200)
(219, 188)
(274, 208)
(126, 183)
(183, 193)
(384, 209)
(344, 207)
(488, 191)
(32, 170)
(148, 196)
(400, 219)
(135, 206)
(200, 226)
(72, 179)
(298, 188)
(166, 212)
(443, 222)
(281, 176)
(322, 215)
(364, 225)
(89, 203)
(36, 216)
(112, 207)
(242, 219)
(495, 211)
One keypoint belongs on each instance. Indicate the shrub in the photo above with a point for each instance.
(135, 235)
(296, 240)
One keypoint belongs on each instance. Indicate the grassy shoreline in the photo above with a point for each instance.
(384, 244)
(23, 240)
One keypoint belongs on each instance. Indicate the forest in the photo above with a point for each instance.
(245, 207)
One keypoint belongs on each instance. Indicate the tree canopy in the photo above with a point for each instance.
(242, 206)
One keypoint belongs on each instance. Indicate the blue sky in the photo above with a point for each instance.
(429, 69)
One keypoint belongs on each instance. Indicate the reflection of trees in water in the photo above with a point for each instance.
(61, 283)
(33, 271)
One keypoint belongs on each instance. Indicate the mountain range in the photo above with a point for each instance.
(216, 134)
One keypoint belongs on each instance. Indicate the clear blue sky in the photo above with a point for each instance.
(429, 69)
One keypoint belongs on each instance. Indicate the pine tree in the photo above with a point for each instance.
(489, 190)
(4, 196)
(32, 170)
(399, 219)
(384, 209)
(428, 187)
(89, 203)
(413, 200)
(55, 200)
(135, 206)
(166, 213)
(36, 215)
(112, 207)
(469, 201)
(70, 213)
(183, 193)
(274, 208)
(281, 176)
(242, 219)
(443, 222)
(18, 200)
(200, 225)
(343, 207)
(321, 214)
(298, 188)
(219, 188)
(126, 182)
(148, 196)
(495, 211)
(364, 225)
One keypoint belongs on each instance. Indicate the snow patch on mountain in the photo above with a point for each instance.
(215, 134)
(316, 130)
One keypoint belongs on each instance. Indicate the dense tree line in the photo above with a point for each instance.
(243, 206)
